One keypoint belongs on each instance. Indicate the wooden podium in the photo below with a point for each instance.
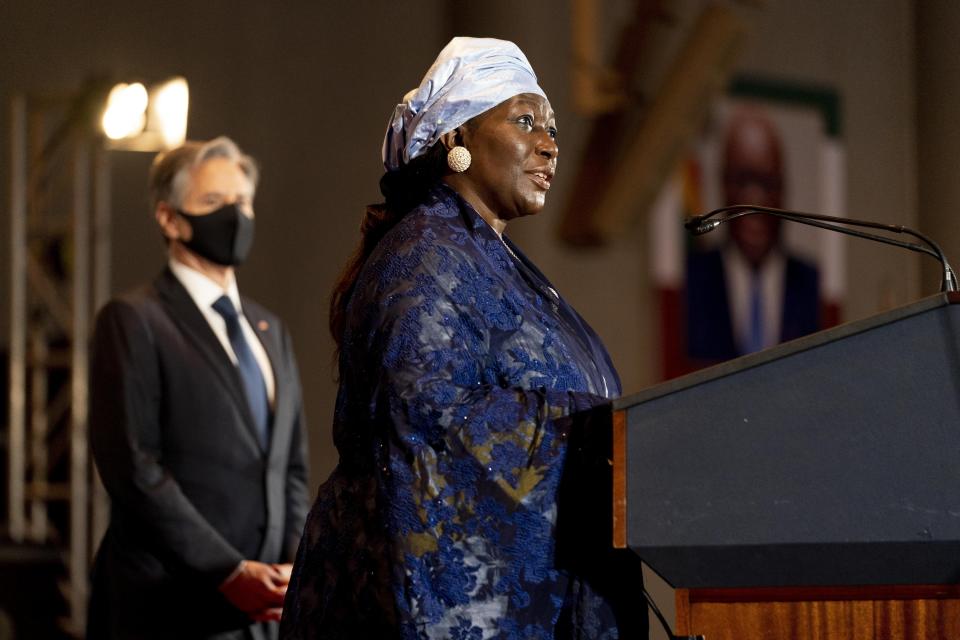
(810, 491)
(821, 613)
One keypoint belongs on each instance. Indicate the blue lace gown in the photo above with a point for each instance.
(459, 363)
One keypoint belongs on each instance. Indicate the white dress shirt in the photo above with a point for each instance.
(204, 293)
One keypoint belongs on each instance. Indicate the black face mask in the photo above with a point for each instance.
(223, 236)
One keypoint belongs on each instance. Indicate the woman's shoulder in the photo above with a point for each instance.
(433, 230)
(420, 260)
(440, 208)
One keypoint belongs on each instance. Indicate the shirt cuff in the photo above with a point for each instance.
(234, 573)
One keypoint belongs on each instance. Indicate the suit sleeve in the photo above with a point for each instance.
(297, 474)
(125, 406)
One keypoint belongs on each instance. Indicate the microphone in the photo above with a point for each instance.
(702, 227)
(700, 224)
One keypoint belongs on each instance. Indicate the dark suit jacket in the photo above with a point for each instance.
(192, 491)
(710, 336)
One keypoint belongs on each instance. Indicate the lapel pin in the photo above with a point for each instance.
(263, 325)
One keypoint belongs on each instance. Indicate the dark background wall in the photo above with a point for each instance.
(306, 87)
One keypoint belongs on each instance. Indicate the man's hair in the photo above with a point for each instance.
(171, 169)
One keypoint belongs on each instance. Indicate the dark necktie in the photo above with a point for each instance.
(249, 370)
(755, 339)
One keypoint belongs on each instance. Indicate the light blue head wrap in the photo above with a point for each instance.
(470, 76)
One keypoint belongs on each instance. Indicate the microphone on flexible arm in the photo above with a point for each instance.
(700, 224)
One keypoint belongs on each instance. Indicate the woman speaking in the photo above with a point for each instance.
(458, 363)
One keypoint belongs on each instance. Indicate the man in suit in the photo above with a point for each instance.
(751, 293)
(196, 424)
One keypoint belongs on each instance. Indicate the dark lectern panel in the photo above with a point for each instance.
(830, 461)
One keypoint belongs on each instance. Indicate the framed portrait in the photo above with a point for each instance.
(759, 280)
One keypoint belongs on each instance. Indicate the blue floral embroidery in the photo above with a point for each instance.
(439, 521)
(464, 630)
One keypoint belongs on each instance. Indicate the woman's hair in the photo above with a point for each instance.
(403, 190)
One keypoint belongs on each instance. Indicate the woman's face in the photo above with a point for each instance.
(514, 149)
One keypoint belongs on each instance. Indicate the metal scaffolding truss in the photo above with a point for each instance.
(60, 274)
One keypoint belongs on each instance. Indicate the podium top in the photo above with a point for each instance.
(840, 332)
(829, 460)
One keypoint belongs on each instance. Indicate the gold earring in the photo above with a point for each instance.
(459, 159)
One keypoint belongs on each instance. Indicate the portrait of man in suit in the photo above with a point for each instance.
(196, 424)
(751, 292)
